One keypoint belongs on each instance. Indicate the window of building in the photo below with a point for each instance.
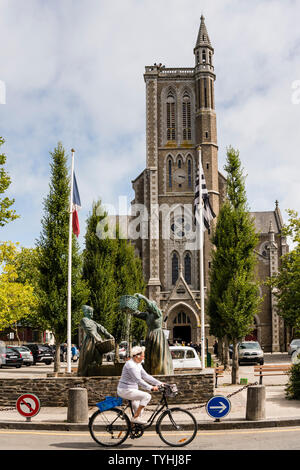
(171, 122)
(182, 319)
(175, 266)
(204, 56)
(170, 172)
(189, 173)
(188, 268)
(186, 117)
(205, 94)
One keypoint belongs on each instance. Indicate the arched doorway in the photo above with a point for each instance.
(254, 335)
(182, 328)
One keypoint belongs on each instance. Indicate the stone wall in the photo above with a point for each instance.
(53, 391)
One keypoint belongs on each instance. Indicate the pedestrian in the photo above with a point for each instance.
(215, 346)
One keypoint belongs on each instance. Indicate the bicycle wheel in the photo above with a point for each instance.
(109, 428)
(176, 427)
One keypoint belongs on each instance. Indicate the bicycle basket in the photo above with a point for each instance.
(129, 302)
(109, 402)
(171, 390)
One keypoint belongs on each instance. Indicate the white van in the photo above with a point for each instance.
(184, 357)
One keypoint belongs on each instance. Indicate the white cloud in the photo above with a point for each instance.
(74, 73)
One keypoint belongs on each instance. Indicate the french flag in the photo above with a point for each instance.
(76, 207)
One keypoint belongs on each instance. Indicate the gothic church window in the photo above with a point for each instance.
(170, 172)
(188, 268)
(189, 173)
(175, 268)
(171, 122)
(186, 117)
(204, 56)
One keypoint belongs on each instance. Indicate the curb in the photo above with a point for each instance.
(202, 425)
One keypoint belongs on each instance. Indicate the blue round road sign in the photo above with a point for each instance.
(218, 407)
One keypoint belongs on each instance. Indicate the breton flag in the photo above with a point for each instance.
(76, 206)
(208, 213)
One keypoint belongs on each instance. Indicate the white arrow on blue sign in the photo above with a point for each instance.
(218, 407)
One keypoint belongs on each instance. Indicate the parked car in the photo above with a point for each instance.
(250, 351)
(110, 357)
(184, 357)
(294, 344)
(10, 357)
(41, 353)
(295, 356)
(26, 354)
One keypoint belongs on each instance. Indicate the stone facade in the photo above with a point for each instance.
(193, 388)
(180, 120)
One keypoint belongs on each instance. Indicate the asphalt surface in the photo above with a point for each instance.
(279, 411)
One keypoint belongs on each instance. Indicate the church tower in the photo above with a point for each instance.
(206, 127)
(180, 117)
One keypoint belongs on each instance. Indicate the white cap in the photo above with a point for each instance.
(137, 350)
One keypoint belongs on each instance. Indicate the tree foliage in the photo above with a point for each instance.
(233, 297)
(7, 214)
(17, 298)
(111, 269)
(286, 284)
(53, 247)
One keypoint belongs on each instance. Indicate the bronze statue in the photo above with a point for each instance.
(91, 350)
(158, 359)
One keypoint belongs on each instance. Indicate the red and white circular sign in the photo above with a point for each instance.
(28, 405)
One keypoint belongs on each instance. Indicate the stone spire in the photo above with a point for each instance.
(203, 38)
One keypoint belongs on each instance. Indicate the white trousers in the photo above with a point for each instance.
(137, 397)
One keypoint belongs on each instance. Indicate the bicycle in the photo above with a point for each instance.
(176, 427)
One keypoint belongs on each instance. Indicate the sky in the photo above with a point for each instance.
(71, 71)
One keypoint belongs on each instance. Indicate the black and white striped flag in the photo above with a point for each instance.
(208, 213)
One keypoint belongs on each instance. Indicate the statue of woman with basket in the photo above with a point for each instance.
(93, 346)
(158, 359)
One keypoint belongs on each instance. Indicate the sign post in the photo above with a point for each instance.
(28, 405)
(218, 407)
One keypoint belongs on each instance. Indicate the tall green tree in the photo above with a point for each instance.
(111, 270)
(99, 267)
(233, 297)
(286, 284)
(7, 214)
(53, 256)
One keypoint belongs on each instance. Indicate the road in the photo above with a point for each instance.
(255, 439)
(41, 370)
(250, 439)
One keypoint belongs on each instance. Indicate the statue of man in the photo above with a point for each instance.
(93, 336)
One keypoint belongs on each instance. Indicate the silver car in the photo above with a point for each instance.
(26, 354)
(250, 351)
(295, 344)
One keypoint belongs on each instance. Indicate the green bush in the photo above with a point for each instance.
(293, 387)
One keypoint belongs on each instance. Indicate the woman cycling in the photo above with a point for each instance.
(133, 376)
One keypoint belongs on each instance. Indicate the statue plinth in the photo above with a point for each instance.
(96, 370)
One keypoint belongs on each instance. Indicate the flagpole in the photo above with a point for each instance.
(69, 316)
(201, 263)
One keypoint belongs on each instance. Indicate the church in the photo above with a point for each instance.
(180, 119)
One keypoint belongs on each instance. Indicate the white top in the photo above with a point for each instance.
(133, 375)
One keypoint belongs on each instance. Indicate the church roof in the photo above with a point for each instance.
(262, 221)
